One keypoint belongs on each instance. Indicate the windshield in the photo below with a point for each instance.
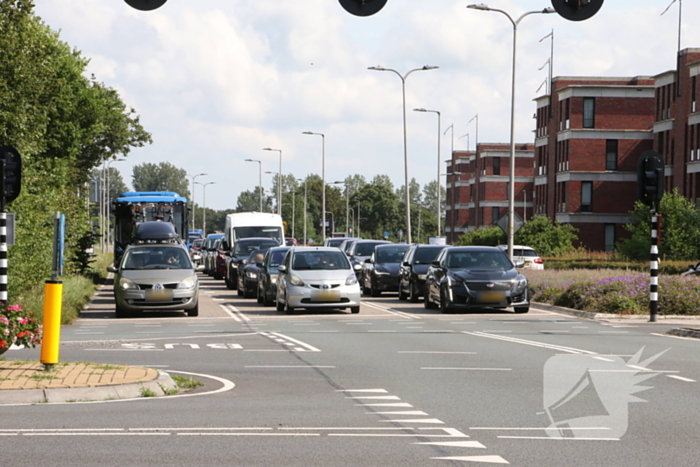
(266, 231)
(390, 254)
(528, 253)
(365, 249)
(494, 260)
(310, 260)
(335, 241)
(425, 255)
(243, 248)
(156, 258)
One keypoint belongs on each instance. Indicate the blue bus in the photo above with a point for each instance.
(143, 206)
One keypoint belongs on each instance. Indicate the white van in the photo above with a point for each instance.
(253, 224)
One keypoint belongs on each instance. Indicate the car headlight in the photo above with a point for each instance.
(351, 280)
(187, 283)
(273, 279)
(251, 275)
(421, 277)
(296, 280)
(127, 284)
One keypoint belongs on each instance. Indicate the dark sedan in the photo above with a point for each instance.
(414, 268)
(241, 250)
(248, 274)
(475, 277)
(267, 275)
(381, 272)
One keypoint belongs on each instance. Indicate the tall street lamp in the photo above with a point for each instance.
(279, 182)
(194, 177)
(300, 180)
(347, 205)
(294, 204)
(260, 192)
(511, 188)
(204, 205)
(405, 150)
(323, 180)
(332, 222)
(437, 194)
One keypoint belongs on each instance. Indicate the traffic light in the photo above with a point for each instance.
(145, 5)
(362, 7)
(577, 10)
(10, 174)
(650, 178)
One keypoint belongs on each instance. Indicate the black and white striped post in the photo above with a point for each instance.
(3, 254)
(654, 267)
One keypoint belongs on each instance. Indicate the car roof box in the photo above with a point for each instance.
(155, 231)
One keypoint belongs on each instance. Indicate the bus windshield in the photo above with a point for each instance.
(267, 232)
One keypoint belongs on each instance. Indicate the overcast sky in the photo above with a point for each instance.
(216, 81)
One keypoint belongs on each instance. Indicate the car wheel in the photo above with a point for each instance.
(229, 284)
(521, 309)
(120, 312)
(288, 309)
(259, 295)
(194, 311)
(247, 293)
(280, 306)
(218, 276)
(443, 302)
(412, 293)
(265, 300)
(365, 290)
(354, 309)
(427, 304)
(402, 295)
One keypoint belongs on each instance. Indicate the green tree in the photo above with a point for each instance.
(680, 230)
(160, 177)
(547, 237)
(485, 236)
(379, 209)
(249, 201)
(64, 124)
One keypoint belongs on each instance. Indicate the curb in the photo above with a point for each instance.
(89, 394)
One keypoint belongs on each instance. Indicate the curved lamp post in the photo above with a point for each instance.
(279, 182)
(323, 181)
(405, 151)
(437, 194)
(194, 177)
(204, 205)
(511, 188)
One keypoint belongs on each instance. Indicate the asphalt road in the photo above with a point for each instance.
(393, 385)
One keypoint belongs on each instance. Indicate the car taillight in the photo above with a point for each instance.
(538, 261)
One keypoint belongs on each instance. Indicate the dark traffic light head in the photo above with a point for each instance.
(650, 178)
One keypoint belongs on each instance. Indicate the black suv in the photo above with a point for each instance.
(414, 267)
(240, 252)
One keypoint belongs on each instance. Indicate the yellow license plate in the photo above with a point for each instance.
(159, 295)
(492, 297)
(327, 296)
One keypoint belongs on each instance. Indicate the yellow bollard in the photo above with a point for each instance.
(51, 335)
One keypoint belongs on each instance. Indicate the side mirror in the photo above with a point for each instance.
(357, 267)
(282, 268)
(368, 260)
(259, 264)
(406, 263)
(200, 267)
(435, 264)
(225, 246)
(111, 268)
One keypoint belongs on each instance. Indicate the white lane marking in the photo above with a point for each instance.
(395, 313)
(399, 412)
(289, 366)
(532, 343)
(558, 439)
(398, 404)
(535, 428)
(675, 337)
(248, 434)
(386, 398)
(302, 344)
(380, 330)
(604, 359)
(579, 327)
(553, 331)
(192, 325)
(456, 444)
(234, 312)
(359, 324)
(149, 332)
(613, 332)
(496, 331)
(307, 324)
(381, 391)
(484, 459)
(681, 378)
(417, 420)
(436, 352)
(467, 369)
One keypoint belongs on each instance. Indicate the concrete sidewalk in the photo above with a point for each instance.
(26, 382)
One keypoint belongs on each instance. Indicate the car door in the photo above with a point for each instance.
(435, 276)
(405, 269)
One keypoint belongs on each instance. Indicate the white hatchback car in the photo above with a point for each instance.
(317, 277)
(525, 254)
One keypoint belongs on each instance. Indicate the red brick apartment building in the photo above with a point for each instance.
(583, 167)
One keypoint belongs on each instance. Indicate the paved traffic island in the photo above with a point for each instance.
(27, 382)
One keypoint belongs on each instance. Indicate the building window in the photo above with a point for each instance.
(611, 154)
(588, 112)
(586, 196)
(494, 215)
(609, 237)
(497, 166)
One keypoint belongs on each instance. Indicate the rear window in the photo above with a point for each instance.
(365, 249)
(312, 260)
(527, 253)
(425, 255)
(390, 255)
